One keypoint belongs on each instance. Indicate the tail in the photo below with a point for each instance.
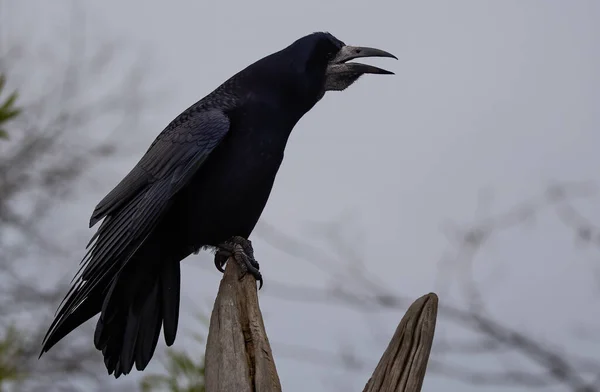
(139, 301)
(133, 305)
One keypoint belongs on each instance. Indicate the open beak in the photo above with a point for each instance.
(347, 53)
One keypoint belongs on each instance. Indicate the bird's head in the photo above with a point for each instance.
(304, 71)
(341, 73)
(327, 54)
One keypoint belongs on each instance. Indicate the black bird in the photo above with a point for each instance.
(203, 183)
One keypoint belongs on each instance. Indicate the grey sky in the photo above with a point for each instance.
(487, 94)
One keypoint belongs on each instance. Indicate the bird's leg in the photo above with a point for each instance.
(242, 254)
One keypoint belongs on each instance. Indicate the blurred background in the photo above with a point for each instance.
(472, 173)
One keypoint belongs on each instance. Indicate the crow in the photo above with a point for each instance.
(202, 184)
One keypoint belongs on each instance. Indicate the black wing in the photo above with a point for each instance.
(137, 203)
(185, 142)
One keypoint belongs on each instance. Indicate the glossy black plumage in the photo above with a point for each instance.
(206, 177)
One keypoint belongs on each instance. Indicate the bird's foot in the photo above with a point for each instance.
(242, 254)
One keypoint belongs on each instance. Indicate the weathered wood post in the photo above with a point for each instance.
(403, 364)
(239, 357)
(238, 353)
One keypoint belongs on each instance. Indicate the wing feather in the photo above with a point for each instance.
(136, 205)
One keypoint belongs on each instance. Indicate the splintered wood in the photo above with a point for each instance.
(403, 364)
(239, 357)
(238, 353)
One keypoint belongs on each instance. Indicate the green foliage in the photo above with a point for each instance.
(12, 342)
(183, 373)
(7, 108)
(10, 348)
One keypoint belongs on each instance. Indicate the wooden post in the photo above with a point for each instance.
(238, 353)
(239, 357)
(403, 364)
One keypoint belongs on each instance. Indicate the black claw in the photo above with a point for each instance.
(244, 257)
(248, 265)
(248, 250)
(220, 259)
(224, 252)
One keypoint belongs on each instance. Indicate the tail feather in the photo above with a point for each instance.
(83, 313)
(171, 280)
(130, 338)
(132, 316)
(138, 303)
(151, 319)
(121, 277)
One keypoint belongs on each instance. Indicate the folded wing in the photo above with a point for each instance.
(133, 209)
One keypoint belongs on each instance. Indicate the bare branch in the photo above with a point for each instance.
(539, 363)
